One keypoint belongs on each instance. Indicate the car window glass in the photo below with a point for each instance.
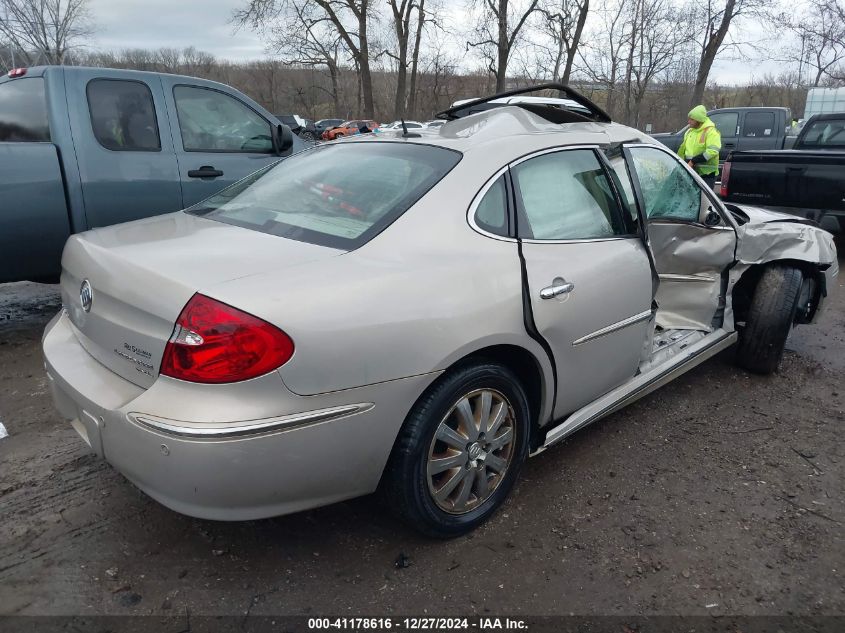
(211, 121)
(758, 124)
(825, 133)
(338, 195)
(622, 179)
(565, 196)
(725, 122)
(669, 190)
(123, 115)
(23, 111)
(492, 212)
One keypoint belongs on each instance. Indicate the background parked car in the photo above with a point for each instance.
(434, 123)
(88, 147)
(303, 128)
(397, 125)
(323, 125)
(743, 129)
(808, 180)
(348, 128)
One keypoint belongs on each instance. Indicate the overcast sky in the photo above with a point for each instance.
(205, 24)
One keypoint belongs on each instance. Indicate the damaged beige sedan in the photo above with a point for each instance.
(415, 312)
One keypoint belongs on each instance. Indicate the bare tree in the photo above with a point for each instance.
(654, 44)
(604, 57)
(349, 23)
(401, 11)
(563, 24)
(301, 34)
(415, 56)
(44, 30)
(497, 30)
(711, 22)
(821, 30)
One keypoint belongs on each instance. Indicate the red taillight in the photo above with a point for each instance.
(17, 72)
(726, 174)
(216, 343)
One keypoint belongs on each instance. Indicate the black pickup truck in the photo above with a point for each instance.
(808, 180)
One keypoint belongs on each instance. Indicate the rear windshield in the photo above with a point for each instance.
(339, 195)
(23, 110)
(822, 134)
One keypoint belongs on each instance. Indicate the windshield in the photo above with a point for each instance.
(338, 195)
(822, 134)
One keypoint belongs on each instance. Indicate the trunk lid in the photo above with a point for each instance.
(141, 274)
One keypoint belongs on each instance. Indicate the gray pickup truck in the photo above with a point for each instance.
(87, 147)
(750, 128)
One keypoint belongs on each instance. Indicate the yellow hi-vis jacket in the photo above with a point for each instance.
(702, 145)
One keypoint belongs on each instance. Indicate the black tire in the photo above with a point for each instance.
(308, 136)
(406, 482)
(770, 317)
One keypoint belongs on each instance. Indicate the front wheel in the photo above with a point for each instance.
(770, 317)
(459, 452)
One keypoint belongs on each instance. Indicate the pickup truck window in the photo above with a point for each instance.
(669, 191)
(758, 124)
(726, 122)
(211, 121)
(829, 133)
(123, 116)
(23, 111)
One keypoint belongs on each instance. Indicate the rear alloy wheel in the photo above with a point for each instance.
(459, 452)
(770, 317)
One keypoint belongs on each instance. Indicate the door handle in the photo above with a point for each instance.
(559, 287)
(730, 144)
(206, 171)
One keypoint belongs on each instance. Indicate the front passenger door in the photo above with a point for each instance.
(691, 241)
(219, 140)
(588, 273)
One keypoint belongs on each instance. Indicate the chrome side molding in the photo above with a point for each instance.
(226, 430)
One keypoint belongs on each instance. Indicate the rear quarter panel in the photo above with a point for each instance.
(424, 293)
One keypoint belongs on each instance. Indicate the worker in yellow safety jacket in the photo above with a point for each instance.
(701, 145)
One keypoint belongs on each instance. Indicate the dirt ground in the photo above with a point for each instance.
(719, 494)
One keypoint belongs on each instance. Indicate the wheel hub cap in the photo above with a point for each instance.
(471, 451)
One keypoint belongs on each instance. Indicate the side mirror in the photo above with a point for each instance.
(282, 139)
(712, 218)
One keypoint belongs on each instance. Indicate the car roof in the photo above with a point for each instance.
(497, 129)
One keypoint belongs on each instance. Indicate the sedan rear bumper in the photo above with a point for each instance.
(317, 450)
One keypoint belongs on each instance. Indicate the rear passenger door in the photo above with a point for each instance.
(219, 137)
(588, 274)
(758, 131)
(123, 147)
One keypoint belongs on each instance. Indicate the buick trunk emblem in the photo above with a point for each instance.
(86, 295)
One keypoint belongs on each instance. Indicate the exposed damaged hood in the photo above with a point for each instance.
(771, 235)
(760, 215)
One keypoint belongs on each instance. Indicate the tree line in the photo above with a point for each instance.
(645, 61)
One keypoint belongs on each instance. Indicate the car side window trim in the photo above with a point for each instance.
(503, 174)
(519, 210)
(154, 112)
(727, 218)
(223, 92)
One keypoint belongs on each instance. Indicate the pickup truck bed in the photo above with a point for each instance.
(808, 181)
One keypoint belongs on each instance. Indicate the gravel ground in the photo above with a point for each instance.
(719, 494)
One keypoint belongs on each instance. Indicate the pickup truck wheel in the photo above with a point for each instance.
(459, 452)
(770, 317)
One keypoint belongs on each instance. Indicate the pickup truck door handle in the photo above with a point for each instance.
(730, 144)
(206, 171)
(559, 287)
